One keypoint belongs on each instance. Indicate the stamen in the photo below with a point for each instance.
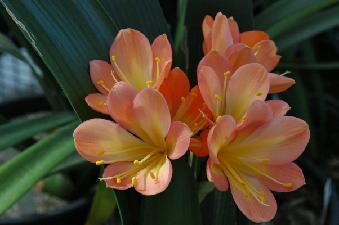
(285, 73)
(152, 175)
(157, 59)
(288, 185)
(100, 162)
(102, 84)
(231, 18)
(227, 73)
(259, 94)
(134, 181)
(113, 76)
(149, 83)
(113, 57)
(101, 103)
(217, 97)
(218, 117)
(118, 180)
(137, 162)
(243, 117)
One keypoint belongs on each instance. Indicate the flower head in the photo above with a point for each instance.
(257, 157)
(222, 35)
(133, 60)
(139, 144)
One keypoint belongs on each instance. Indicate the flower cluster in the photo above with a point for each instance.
(250, 142)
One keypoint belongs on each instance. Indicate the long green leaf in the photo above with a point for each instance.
(19, 174)
(20, 129)
(311, 26)
(283, 14)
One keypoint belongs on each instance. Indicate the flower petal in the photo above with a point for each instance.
(146, 185)
(221, 34)
(115, 169)
(239, 55)
(101, 75)
(278, 107)
(207, 24)
(216, 62)
(97, 102)
(247, 84)
(210, 86)
(220, 135)
(99, 139)
(279, 83)
(266, 54)
(216, 175)
(278, 142)
(174, 87)
(153, 115)
(162, 53)
(251, 38)
(234, 29)
(132, 58)
(120, 106)
(178, 140)
(251, 207)
(289, 175)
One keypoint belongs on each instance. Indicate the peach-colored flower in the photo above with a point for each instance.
(133, 60)
(227, 93)
(257, 157)
(139, 144)
(222, 35)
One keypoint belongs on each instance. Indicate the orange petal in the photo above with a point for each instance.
(221, 34)
(146, 185)
(251, 207)
(162, 62)
(234, 30)
(247, 84)
(132, 58)
(289, 175)
(220, 135)
(216, 175)
(174, 87)
(120, 105)
(278, 107)
(99, 139)
(279, 83)
(216, 62)
(178, 140)
(153, 114)
(207, 26)
(101, 75)
(239, 55)
(198, 145)
(252, 37)
(210, 86)
(97, 102)
(266, 54)
(278, 142)
(113, 170)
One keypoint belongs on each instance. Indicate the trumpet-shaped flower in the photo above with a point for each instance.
(227, 93)
(138, 145)
(222, 35)
(133, 60)
(257, 157)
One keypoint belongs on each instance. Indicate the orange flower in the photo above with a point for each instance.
(139, 144)
(257, 157)
(133, 60)
(222, 35)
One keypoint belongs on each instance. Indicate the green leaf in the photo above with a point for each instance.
(20, 173)
(178, 204)
(284, 14)
(197, 10)
(103, 205)
(309, 27)
(310, 66)
(18, 130)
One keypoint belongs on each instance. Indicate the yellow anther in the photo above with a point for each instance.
(227, 73)
(157, 59)
(100, 162)
(218, 117)
(243, 117)
(100, 82)
(288, 185)
(134, 181)
(259, 94)
(149, 83)
(118, 180)
(152, 175)
(113, 58)
(101, 103)
(231, 18)
(136, 162)
(257, 49)
(217, 97)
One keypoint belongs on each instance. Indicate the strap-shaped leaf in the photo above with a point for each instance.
(19, 174)
(18, 130)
